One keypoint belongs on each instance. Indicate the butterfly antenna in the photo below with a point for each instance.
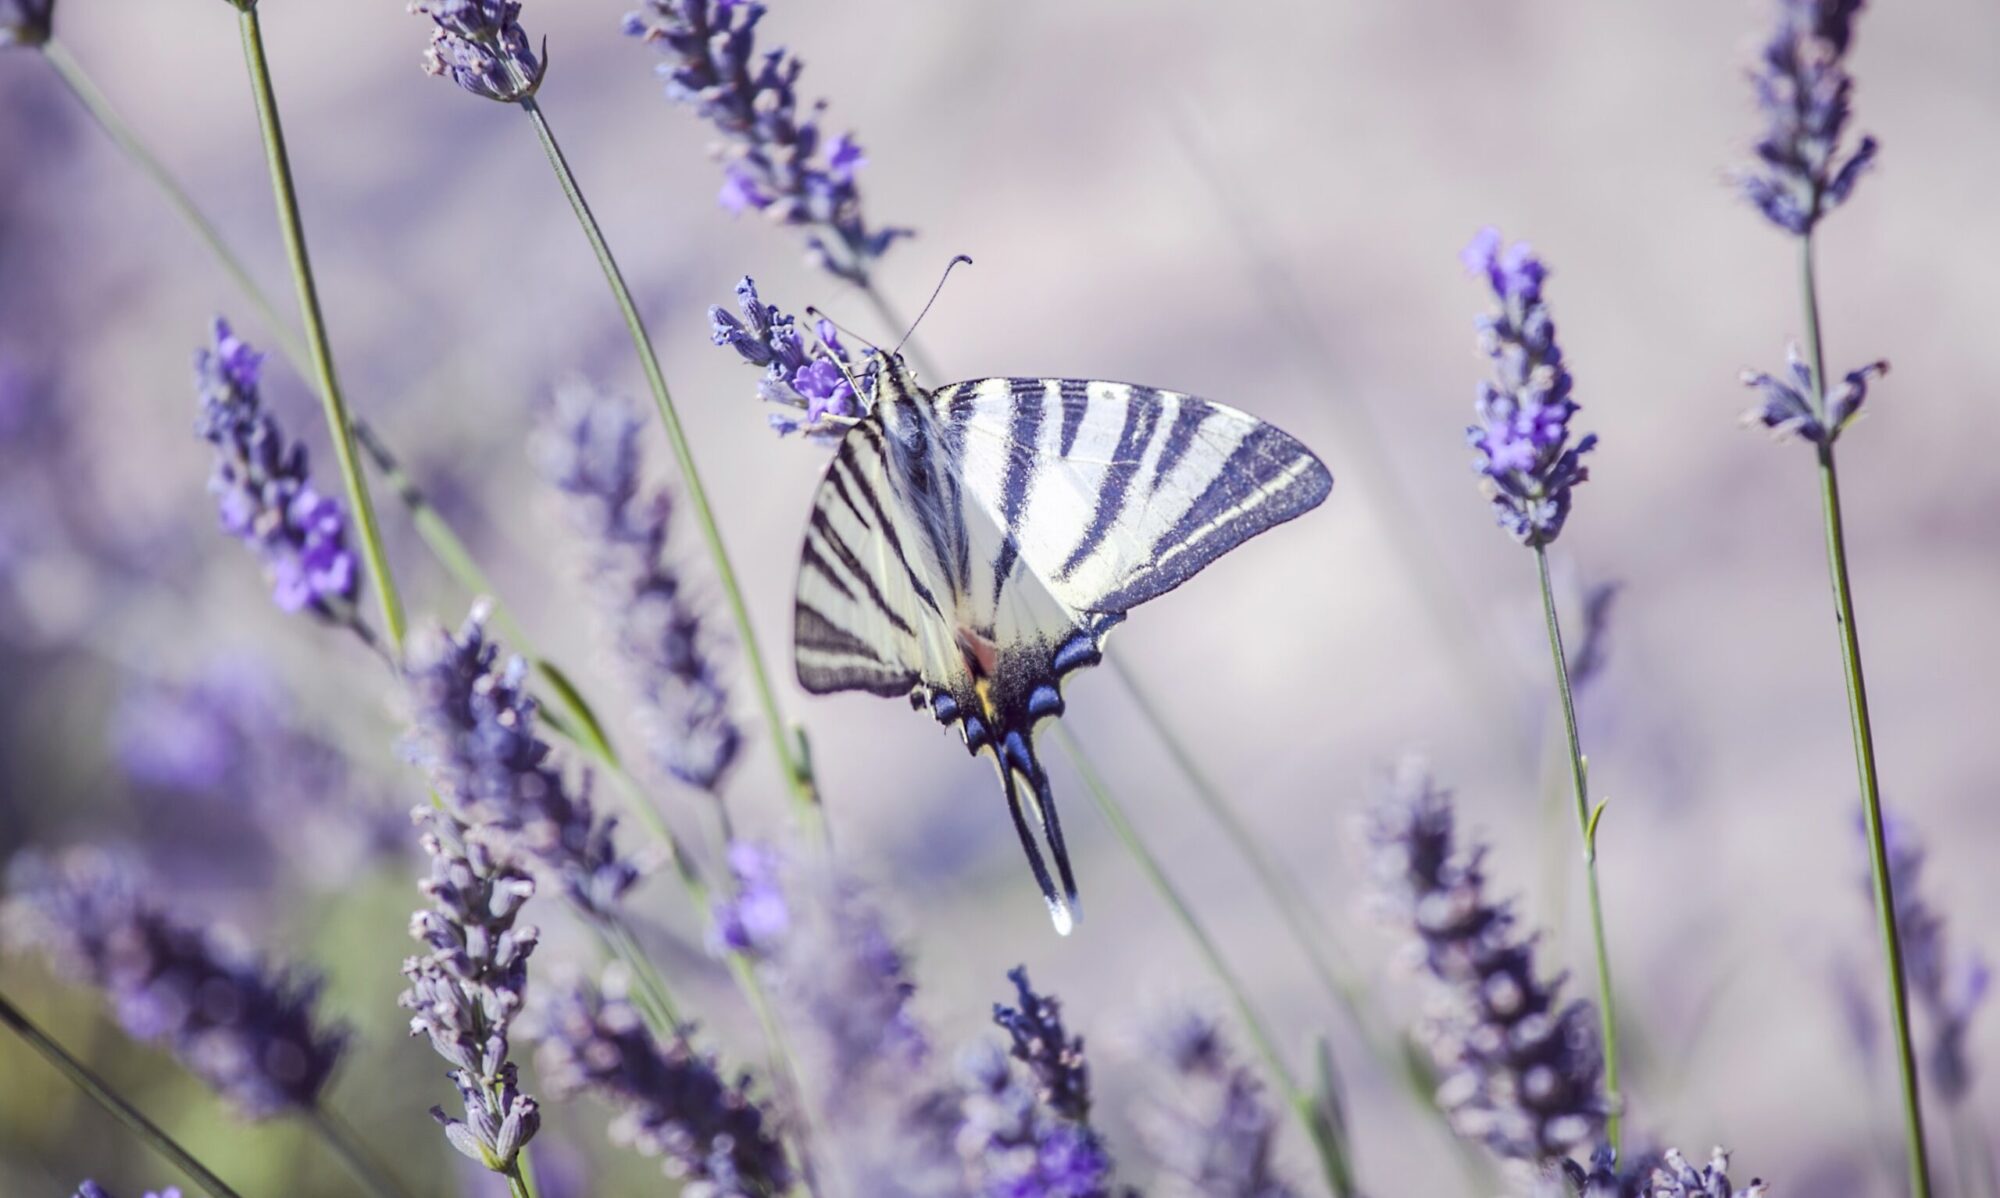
(948, 268)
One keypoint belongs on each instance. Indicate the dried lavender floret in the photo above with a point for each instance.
(673, 1104)
(775, 158)
(810, 379)
(588, 448)
(247, 1029)
(1803, 90)
(263, 490)
(467, 988)
(479, 45)
(476, 733)
(1523, 435)
(1522, 1070)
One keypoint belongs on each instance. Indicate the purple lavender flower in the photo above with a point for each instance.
(1013, 1145)
(1214, 1135)
(90, 1189)
(1040, 1042)
(588, 448)
(467, 988)
(1524, 410)
(26, 23)
(262, 489)
(1792, 405)
(812, 379)
(249, 1031)
(479, 45)
(755, 918)
(672, 1102)
(1803, 89)
(476, 734)
(1522, 1068)
(1674, 1177)
(775, 159)
(1950, 988)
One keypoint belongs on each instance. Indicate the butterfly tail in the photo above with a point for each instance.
(1025, 781)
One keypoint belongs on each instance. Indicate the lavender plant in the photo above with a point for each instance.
(1803, 173)
(1530, 468)
(1523, 1073)
(776, 159)
(588, 449)
(249, 1030)
(673, 1103)
(1212, 1132)
(814, 379)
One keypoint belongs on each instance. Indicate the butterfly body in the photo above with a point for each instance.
(970, 547)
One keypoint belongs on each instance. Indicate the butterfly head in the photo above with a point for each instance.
(899, 401)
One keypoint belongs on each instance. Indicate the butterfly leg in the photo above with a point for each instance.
(1061, 908)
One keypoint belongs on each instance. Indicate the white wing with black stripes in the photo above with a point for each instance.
(971, 547)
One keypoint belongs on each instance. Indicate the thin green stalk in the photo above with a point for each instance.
(127, 140)
(1300, 1102)
(1864, 745)
(1586, 826)
(337, 423)
(341, 1140)
(99, 1091)
(518, 1185)
(655, 999)
(798, 776)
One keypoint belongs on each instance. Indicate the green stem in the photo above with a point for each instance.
(122, 135)
(81, 1076)
(518, 1185)
(655, 1001)
(797, 776)
(322, 356)
(341, 1140)
(1156, 875)
(1586, 826)
(1864, 745)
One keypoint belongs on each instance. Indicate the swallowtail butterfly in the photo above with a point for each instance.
(970, 547)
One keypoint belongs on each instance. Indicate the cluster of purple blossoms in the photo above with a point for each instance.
(247, 1030)
(775, 159)
(468, 986)
(1950, 988)
(90, 1189)
(810, 379)
(1015, 1146)
(26, 23)
(1792, 405)
(588, 448)
(1216, 1137)
(262, 489)
(1052, 1055)
(1667, 1175)
(755, 918)
(1803, 88)
(479, 45)
(476, 734)
(1524, 410)
(673, 1104)
(1522, 1069)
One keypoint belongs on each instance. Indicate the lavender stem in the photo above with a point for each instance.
(1586, 824)
(338, 427)
(798, 775)
(1864, 749)
(81, 1076)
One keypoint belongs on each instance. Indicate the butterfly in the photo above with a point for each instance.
(970, 547)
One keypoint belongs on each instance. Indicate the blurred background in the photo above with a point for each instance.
(1262, 205)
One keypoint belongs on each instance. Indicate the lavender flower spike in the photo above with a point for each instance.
(1524, 410)
(776, 160)
(1216, 1136)
(1522, 1071)
(588, 448)
(467, 988)
(262, 488)
(479, 45)
(673, 1104)
(476, 733)
(1803, 89)
(1014, 1145)
(247, 1030)
(1950, 988)
(812, 379)
(1046, 1048)
(1791, 406)
(90, 1189)
(26, 23)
